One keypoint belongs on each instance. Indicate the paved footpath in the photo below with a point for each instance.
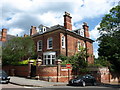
(32, 82)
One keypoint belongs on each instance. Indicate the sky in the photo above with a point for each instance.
(19, 15)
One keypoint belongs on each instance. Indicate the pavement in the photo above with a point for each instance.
(34, 83)
(22, 81)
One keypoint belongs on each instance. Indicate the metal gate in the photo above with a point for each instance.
(33, 71)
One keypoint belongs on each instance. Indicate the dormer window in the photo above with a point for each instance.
(42, 29)
(82, 32)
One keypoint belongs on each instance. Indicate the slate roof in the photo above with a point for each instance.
(56, 27)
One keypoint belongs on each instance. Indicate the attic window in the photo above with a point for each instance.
(44, 29)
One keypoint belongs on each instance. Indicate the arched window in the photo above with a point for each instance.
(78, 45)
(39, 45)
(63, 41)
(49, 43)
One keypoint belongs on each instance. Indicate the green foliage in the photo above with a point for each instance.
(78, 61)
(16, 49)
(109, 41)
(110, 21)
(101, 62)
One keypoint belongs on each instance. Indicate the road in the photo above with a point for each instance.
(15, 87)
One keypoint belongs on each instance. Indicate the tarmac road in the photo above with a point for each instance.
(17, 87)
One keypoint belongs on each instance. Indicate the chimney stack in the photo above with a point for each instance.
(86, 29)
(33, 30)
(3, 34)
(67, 21)
(25, 35)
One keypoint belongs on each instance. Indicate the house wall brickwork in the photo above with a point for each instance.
(70, 49)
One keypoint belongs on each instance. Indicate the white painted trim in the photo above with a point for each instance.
(63, 41)
(49, 53)
(38, 45)
(48, 43)
(79, 45)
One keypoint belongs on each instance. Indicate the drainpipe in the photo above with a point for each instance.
(66, 44)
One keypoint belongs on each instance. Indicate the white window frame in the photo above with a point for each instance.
(78, 45)
(46, 58)
(84, 46)
(63, 41)
(38, 45)
(82, 32)
(48, 43)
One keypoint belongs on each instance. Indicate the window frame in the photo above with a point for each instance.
(38, 44)
(63, 41)
(78, 45)
(49, 58)
(48, 43)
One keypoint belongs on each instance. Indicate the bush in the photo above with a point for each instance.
(24, 62)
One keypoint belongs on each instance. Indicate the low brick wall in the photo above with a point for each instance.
(103, 75)
(16, 70)
(50, 73)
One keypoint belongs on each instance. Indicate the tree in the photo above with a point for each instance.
(109, 41)
(78, 61)
(16, 49)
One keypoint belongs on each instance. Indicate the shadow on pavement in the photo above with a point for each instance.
(110, 85)
(100, 85)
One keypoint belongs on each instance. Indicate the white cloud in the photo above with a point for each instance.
(95, 46)
(20, 15)
(94, 34)
(24, 13)
(15, 31)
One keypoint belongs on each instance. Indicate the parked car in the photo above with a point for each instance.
(4, 78)
(83, 80)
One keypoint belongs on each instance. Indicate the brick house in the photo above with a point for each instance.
(61, 40)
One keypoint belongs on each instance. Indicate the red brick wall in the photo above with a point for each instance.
(90, 52)
(18, 70)
(46, 72)
(3, 35)
(57, 45)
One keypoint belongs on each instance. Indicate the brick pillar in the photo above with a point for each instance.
(38, 63)
(67, 21)
(58, 62)
(29, 67)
